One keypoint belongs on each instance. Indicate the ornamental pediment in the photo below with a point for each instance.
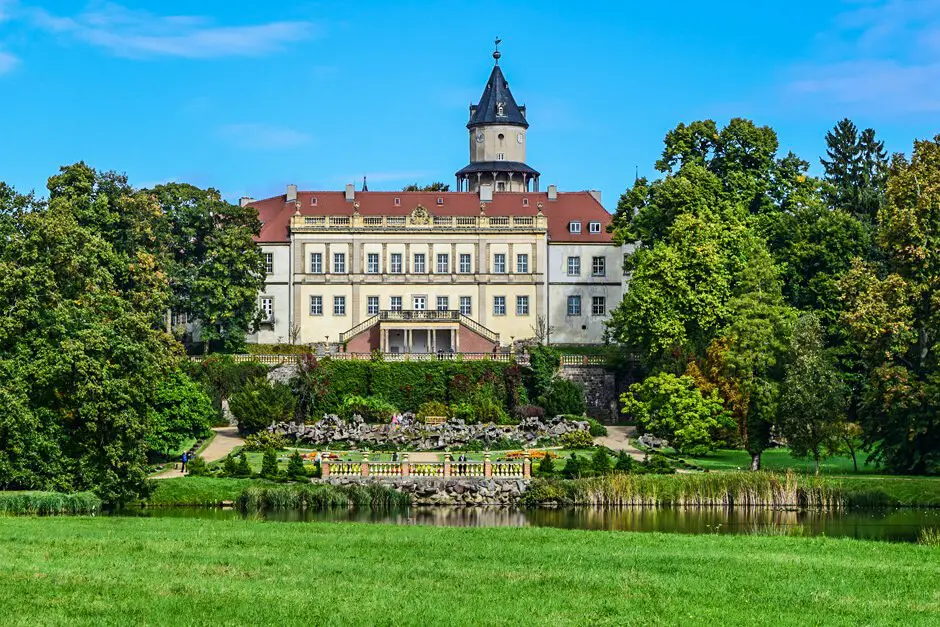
(420, 215)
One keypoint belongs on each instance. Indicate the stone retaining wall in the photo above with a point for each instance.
(432, 491)
(602, 389)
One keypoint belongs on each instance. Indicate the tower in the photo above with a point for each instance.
(498, 130)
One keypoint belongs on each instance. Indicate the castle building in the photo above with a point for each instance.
(429, 272)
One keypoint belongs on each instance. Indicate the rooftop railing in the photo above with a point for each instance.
(423, 222)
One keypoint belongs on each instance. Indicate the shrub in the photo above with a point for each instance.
(269, 465)
(576, 439)
(596, 429)
(197, 467)
(224, 376)
(488, 410)
(506, 444)
(463, 411)
(230, 466)
(929, 536)
(625, 463)
(658, 464)
(242, 468)
(260, 404)
(563, 397)
(575, 467)
(546, 466)
(600, 463)
(432, 409)
(528, 411)
(295, 467)
(264, 440)
(372, 408)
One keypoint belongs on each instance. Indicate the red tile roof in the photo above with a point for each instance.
(275, 213)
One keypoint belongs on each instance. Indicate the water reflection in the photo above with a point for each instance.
(901, 525)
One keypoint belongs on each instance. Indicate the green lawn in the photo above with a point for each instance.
(119, 571)
(780, 459)
(196, 491)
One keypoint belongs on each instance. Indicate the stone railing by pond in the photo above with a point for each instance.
(446, 469)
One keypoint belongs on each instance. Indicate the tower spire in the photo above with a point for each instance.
(365, 185)
(496, 53)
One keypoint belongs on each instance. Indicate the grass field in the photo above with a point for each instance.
(780, 459)
(119, 571)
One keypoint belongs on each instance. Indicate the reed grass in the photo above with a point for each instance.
(727, 489)
(929, 536)
(777, 530)
(49, 503)
(319, 496)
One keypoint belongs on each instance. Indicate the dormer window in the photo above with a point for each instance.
(398, 202)
(594, 227)
(440, 201)
(525, 202)
(313, 201)
(574, 227)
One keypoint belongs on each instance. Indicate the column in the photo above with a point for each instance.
(453, 338)
(456, 340)
(408, 340)
(432, 334)
(364, 467)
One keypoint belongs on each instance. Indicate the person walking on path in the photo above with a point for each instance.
(185, 459)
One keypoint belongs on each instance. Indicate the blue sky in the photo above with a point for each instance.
(248, 97)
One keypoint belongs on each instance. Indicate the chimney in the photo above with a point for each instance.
(291, 193)
(596, 194)
(350, 192)
(486, 193)
(553, 192)
(244, 201)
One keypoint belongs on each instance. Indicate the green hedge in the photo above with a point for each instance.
(408, 385)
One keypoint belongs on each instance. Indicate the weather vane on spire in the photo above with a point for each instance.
(496, 54)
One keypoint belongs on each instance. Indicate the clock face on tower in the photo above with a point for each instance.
(520, 138)
(480, 137)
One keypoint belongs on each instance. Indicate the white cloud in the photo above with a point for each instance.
(137, 34)
(263, 136)
(7, 62)
(882, 56)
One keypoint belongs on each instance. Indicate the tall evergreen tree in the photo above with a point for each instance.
(855, 170)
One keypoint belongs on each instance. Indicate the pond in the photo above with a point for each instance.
(896, 525)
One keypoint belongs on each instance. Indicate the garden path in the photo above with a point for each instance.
(223, 443)
(617, 439)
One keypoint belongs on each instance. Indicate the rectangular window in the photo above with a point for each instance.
(522, 263)
(443, 263)
(396, 263)
(499, 305)
(420, 303)
(372, 305)
(419, 264)
(269, 263)
(466, 305)
(594, 227)
(522, 305)
(316, 263)
(574, 266)
(372, 263)
(316, 305)
(574, 305)
(443, 303)
(500, 156)
(339, 305)
(499, 263)
(267, 309)
(574, 227)
(598, 306)
(339, 263)
(599, 266)
(465, 267)
(394, 303)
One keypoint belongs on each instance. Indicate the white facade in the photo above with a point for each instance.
(275, 298)
(586, 283)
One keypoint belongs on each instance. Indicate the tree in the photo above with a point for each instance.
(893, 315)
(547, 465)
(815, 397)
(673, 408)
(433, 187)
(217, 270)
(600, 463)
(81, 352)
(856, 170)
